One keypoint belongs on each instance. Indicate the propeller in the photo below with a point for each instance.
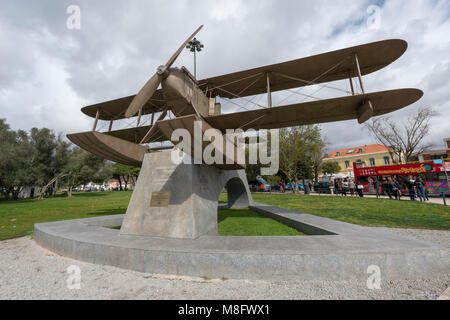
(152, 84)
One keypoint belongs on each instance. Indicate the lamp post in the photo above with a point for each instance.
(195, 46)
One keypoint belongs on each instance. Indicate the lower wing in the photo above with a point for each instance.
(361, 107)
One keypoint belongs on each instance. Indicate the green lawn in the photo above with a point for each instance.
(247, 223)
(250, 223)
(364, 211)
(18, 217)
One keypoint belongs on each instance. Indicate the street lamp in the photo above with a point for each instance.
(195, 46)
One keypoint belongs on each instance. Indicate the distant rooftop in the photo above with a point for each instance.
(357, 151)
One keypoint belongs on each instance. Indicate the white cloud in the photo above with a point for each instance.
(231, 9)
(49, 72)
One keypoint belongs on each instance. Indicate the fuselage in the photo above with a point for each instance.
(183, 95)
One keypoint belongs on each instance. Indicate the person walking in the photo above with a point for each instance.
(398, 188)
(360, 189)
(376, 185)
(340, 186)
(410, 185)
(420, 188)
(344, 188)
(385, 188)
(351, 187)
(393, 189)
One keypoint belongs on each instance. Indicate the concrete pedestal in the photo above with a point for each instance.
(185, 198)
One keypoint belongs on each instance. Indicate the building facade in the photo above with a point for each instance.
(366, 156)
(435, 154)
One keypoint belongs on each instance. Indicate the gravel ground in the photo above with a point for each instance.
(29, 272)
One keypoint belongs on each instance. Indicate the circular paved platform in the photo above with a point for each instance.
(333, 251)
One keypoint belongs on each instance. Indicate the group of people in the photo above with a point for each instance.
(393, 189)
(284, 187)
(344, 186)
(390, 187)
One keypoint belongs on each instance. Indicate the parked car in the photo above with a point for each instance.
(323, 187)
(275, 187)
(259, 185)
(289, 187)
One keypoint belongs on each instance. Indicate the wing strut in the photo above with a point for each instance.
(359, 73)
(351, 82)
(269, 94)
(96, 120)
(153, 128)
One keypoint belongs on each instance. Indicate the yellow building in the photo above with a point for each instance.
(366, 156)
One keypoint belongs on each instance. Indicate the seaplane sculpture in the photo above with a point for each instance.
(191, 100)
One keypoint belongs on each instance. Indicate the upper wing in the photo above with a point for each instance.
(336, 65)
(115, 109)
(338, 109)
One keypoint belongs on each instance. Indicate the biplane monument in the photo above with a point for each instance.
(170, 226)
(181, 200)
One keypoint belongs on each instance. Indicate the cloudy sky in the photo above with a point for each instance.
(48, 71)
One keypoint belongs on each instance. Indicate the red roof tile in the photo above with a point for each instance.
(373, 148)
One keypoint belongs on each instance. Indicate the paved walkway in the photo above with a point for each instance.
(29, 272)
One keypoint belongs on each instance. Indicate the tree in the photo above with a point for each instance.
(299, 147)
(403, 140)
(330, 167)
(16, 161)
(125, 173)
(84, 167)
(42, 158)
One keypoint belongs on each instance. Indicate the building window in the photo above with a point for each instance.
(372, 162)
(360, 164)
(347, 164)
(361, 151)
(338, 154)
(438, 156)
(387, 160)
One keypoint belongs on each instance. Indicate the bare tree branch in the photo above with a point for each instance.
(402, 144)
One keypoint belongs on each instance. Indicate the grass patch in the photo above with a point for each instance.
(113, 227)
(223, 198)
(17, 218)
(364, 211)
(249, 223)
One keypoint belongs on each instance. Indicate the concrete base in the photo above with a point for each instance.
(334, 251)
(193, 190)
